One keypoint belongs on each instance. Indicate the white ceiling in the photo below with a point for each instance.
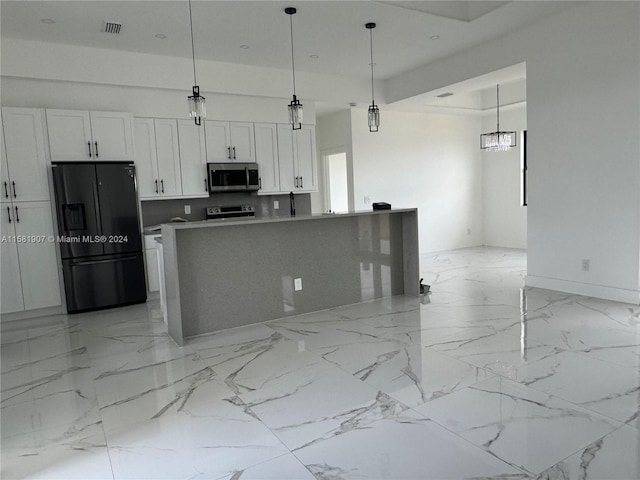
(332, 30)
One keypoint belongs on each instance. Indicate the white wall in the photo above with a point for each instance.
(583, 123)
(583, 102)
(428, 161)
(504, 219)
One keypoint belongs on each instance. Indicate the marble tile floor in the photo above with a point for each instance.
(481, 379)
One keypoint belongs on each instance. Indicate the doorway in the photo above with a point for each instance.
(337, 183)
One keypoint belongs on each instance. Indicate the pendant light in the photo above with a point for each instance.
(197, 107)
(498, 141)
(374, 111)
(295, 107)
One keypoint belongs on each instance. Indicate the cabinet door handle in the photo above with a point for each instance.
(259, 182)
(14, 189)
(301, 183)
(17, 216)
(156, 185)
(229, 153)
(89, 145)
(162, 185)
(9, 213)
(96, 144)
(6, 190)
(234, 153)
(206, 187)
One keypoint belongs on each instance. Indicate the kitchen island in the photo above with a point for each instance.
(235, 272)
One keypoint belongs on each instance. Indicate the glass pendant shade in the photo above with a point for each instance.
(498, 141)
(374, 117)
(295, 114)
(197, 106)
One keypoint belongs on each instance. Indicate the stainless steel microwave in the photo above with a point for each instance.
(233, 177)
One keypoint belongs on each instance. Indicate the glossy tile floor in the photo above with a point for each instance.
(487, 380)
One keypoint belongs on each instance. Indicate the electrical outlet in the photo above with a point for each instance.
(276, 204)
(187, 209)
(297, 284)
(586, 264)
(367, 199)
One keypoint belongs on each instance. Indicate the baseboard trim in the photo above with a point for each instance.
(585, 289)
(38, 312)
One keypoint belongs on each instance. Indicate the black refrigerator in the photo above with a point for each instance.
(99, 234)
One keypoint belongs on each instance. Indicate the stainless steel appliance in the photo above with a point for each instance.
(230, 212)
(99, 227)
(233, 177)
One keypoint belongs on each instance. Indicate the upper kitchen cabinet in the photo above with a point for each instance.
(267, 157)
(24, 164)
(89, 136)
(157, 158)
(229, 142)
(193, 159)
(297, 154)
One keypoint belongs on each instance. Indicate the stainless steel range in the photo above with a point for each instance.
(214, 213)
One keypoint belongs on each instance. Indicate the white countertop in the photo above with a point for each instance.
(248, 220)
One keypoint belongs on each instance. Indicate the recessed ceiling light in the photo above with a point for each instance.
(315, 57)
(244, 47)
(161, 36)
(48, 21)
(434, 37)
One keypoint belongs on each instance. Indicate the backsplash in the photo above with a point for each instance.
(161, 211)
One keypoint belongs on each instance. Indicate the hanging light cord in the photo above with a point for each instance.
(371, 45)
(498, 107)
(193, 49)
(293, 62)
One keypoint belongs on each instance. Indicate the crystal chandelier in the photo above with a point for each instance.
(197, 107)
(498, 141)
(295, 107)
(374, 111)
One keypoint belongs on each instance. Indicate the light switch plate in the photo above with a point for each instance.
(276, 204)
(187, 209)
(297, 284)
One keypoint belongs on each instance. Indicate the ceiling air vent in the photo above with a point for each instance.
(444, 95)
(112, 27)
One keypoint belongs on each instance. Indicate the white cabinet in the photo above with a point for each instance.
(24, 165)
(146, 159)
(297, 159)
(157, 158)
(229, 141)
(11, 292)
(151, 261)
(193, 159)
(29, 268)
(89, 136)
(27, 252)
(267, 157)
(169, 177)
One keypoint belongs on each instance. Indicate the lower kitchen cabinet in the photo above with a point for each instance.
(29, 266)
(151, 261)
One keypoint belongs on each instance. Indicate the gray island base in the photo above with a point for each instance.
(231, 273)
